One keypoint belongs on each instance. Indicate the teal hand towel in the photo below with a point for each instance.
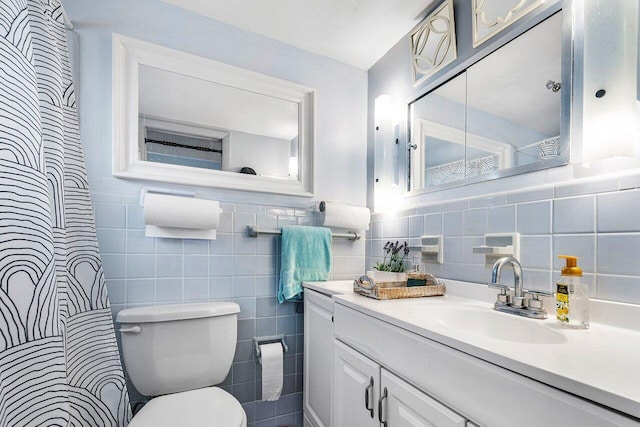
(306, 256)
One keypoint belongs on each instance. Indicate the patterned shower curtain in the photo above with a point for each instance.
(59, 362)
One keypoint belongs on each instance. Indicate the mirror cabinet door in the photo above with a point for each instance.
(438, 134)
(501, 116)
(513, 99)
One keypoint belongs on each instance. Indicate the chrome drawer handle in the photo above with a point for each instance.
(382, 398)
(368, 397)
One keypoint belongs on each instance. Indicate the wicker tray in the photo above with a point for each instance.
(394, 290)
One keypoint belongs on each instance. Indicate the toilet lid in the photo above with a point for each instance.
(210, 406)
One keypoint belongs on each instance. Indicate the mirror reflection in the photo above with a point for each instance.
(503, 112)
(193, 122)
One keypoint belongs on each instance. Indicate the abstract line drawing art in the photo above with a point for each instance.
(59, 361)
(433, 43)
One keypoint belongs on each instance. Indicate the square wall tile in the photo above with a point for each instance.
(618, 288)
(618, 212)
(475, 222)
(266, 286)
(618, 254)
(402, 228)
(535, 252)
(141, 266)
(113, 266)
(244, 286)
(501, 219)
(244, 245)
(468, 256)
(220, 288)
(111, 241)
(574, 215)
(138, 243)
(247, 307)
(221, 265)
(135, 217)
(196, 289)
(538, 280)
(196, 266)
(109, 215)
(433, 224)
(452, 248)
(169, 290)
(116, 290)
(223, 245)
(534, 218)
(169, 246)
(452, 223)
(416, 226)
(141, 290)
(583, 246)
(169, 266)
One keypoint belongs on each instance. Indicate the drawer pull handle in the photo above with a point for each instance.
(368, 395)
(382, 398)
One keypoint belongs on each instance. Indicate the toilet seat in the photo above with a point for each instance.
(210, 407)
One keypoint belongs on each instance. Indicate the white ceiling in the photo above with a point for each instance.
(357, 32)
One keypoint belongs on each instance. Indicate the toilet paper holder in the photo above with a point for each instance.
(268, 340)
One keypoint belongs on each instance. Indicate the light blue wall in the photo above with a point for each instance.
(563, 210)
(147, 271)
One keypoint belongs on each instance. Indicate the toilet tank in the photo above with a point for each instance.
(179, 347)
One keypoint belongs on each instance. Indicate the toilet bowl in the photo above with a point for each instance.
(177, 354)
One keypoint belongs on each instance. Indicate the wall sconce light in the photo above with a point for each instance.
(610, 81)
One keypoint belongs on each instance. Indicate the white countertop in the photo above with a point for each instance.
(601, 364)
(332, 287)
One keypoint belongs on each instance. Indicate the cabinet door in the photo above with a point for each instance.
(318, 358)
(355, 388)
(405, 406)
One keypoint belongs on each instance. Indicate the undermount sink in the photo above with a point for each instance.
(489, 323)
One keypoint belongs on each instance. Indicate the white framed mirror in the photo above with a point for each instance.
(185, 119)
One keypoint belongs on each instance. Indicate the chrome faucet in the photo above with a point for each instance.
(518, 294)
(516, 303)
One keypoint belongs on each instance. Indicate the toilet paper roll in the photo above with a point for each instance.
(272, 370)
(346, 216)
(180, 217)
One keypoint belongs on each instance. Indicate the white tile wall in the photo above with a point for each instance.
(598, 221)
(146, 271)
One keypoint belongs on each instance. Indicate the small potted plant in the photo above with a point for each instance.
(392, 268)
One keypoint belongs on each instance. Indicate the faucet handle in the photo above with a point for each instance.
(535, 303)
(537, 294)
(503, 288)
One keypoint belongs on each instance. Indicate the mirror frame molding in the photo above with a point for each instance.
(129, 54)
(571, 103)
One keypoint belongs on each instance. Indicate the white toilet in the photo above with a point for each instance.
(178, 352)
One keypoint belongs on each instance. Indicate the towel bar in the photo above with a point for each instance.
(253, 231)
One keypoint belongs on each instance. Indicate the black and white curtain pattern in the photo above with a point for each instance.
(59, 362)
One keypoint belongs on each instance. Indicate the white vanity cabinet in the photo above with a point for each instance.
(318, 358)
(439, 375)
(365, 394)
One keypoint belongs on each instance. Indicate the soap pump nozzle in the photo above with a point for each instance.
(571, 268)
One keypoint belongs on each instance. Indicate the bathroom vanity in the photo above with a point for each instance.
(454, 361)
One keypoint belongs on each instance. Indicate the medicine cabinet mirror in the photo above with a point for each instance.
(503, 115)
(185, 119)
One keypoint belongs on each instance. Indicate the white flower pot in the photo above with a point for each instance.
(388, 276)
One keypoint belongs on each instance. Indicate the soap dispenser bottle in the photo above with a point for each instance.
(572, 296)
